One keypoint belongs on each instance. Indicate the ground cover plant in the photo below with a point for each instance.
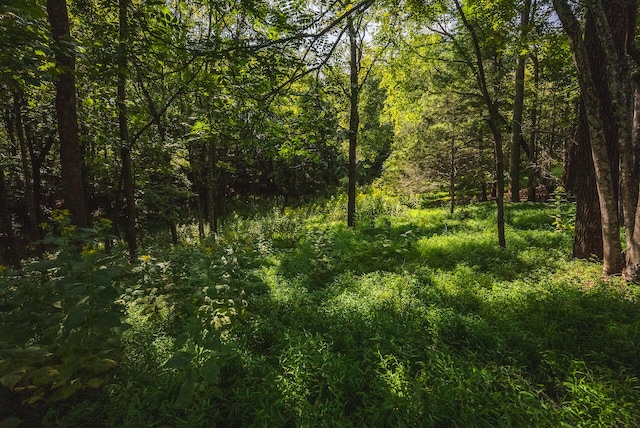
(289, 318)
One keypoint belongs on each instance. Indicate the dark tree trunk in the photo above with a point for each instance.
(581, 182)
(499, 179)
(39, 148)
(32, 210)
(533, 144)
(518, 106)
(125, 151)
(212, 187)
(130, 207)
(11, 255)
(354, 121)
(221, 185)
(636, 130)
(612, 249)
(66, 105)
(615, 24)
(195, 160)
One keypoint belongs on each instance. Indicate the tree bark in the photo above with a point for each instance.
(32, 210)
(612, 250)
(518, 106)
(125, 151)
(636, 130)
(354, 121)
(532, 155)
(66, 112)
(613, 30)
(12, 254)
(581, 182)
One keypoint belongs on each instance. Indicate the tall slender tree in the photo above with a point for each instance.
(518, 103)
(354, 118)
(494, 118)
(123, 126)
(66, 110)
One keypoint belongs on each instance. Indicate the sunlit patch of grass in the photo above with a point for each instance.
(413, 318)
(283, 291)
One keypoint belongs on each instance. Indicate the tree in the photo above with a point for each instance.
(355, 54)
(494, 119)
(614, 27)
(518, 103)
(66, 110)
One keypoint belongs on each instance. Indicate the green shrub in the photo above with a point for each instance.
(62, 316)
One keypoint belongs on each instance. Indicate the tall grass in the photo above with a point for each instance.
(414, 318)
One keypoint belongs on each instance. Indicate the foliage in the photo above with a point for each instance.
(281, 315)
(415, 317)
(564, 216)
(62, 316)
(197, 299)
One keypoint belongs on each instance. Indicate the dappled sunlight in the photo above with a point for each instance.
(405, 320)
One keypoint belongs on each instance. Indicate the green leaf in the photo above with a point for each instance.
(95, 382)
(107, 294)
(181, 340)
(109, 320)
(186, 392)
(209, 370)
(45, 375)
(10, 380)
(67, 390)
(102, 365)
(75, 318)
(180, 360)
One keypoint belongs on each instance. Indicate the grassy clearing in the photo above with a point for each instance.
(415, 318)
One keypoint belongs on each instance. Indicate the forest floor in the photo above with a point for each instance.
(413, 318)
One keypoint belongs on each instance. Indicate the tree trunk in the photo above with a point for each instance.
(452, 175)
(518, 106)
(197, 184)
(494, 123)
(354, 121)
(32, 211)
(581, 182)
(636, 130)
(497, 136)
(221, 184)
(212, 187)
(613, 29)
(125, 151)
(66, 112)
(11, 254)
(39, 148)
(612, 250)
(533, 140)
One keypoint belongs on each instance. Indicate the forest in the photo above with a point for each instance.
(339, 213)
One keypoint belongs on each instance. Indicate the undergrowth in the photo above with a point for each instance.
(413, 318)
